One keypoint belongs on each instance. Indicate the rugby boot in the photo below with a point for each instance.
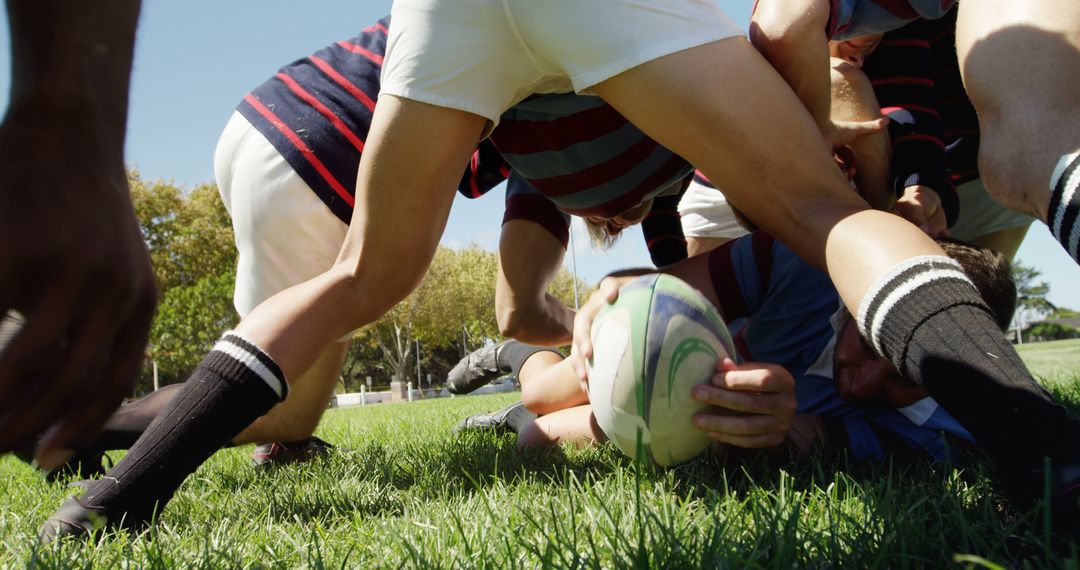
(507, 420)
(286, 452)
(475, 370)
(71, 519)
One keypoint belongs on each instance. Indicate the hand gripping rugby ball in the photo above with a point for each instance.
(660, 338)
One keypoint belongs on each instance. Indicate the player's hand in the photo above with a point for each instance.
(73, 262)
(763, 395)
(843, 133)
(921, 206)
(581, 349)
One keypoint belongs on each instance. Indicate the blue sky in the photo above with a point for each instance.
(196, 59)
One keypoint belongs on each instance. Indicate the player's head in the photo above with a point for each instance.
(865, 378)
(604, 232)
(855, 50)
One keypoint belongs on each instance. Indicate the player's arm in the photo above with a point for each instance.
(72, 258)
(793, 36)
(529, 259)
(903, 67)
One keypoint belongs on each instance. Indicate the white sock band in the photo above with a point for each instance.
(1064, 211)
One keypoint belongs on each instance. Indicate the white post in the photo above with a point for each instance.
(369, 382)
(363, 396)
(408, 389)
(418, 363)
(573, 260)
(153, 364)
(428, 379)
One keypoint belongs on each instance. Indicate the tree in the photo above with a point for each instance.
(188, 321)
(455, 298)
(189, 235)
(190, 239)
(1031, 301)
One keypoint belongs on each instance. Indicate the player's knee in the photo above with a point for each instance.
(532, 397)
(1007, 184)
(533, 435)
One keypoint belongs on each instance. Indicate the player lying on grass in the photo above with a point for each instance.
(722, 107)
(823, 387)
(1030, 132)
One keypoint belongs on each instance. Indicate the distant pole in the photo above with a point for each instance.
(464, 342)
(153, 364)
(417, 363)
(573, 261)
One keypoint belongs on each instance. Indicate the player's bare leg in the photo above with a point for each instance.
(1020, 63)
(570, 425)
(769, 157)
(751, 136)
(297, 417)
(404, 192)
(548, 384)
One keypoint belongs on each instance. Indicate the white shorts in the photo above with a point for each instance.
(706, 213)
(285, 235)
(981, 215)
(483, 56)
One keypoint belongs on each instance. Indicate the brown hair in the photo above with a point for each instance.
(991, 273)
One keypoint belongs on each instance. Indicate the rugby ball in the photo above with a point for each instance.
(659, 339)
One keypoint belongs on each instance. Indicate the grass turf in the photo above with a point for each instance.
(410, 493)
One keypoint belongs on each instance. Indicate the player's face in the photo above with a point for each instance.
(625, 219)
(862, 377)
(855, 50)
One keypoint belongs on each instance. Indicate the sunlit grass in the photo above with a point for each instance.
(411, 493)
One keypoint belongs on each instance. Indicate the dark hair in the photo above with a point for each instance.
(991, 273)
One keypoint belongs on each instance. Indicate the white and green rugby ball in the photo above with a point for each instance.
(658, 340)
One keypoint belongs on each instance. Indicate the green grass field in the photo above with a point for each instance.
(412, 494)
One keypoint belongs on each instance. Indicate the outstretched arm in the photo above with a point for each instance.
(793, 36)
(72, 259)
(529, 260)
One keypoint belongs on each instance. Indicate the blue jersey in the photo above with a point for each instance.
(781, 310)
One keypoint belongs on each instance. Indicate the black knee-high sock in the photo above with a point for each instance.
(235, 384)
(512, 355)
(928, 319)
(1063, 216)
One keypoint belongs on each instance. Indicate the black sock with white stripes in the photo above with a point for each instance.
(512, 355)
(234, 385)
(1063, 216)
(929, 320)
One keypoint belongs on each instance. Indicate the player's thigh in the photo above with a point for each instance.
(745, 129)
(1020, 62)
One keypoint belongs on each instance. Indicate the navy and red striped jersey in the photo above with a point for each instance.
(933, 126)
(575, 151)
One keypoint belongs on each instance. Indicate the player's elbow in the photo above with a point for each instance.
(515, 321)
(780, 26)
